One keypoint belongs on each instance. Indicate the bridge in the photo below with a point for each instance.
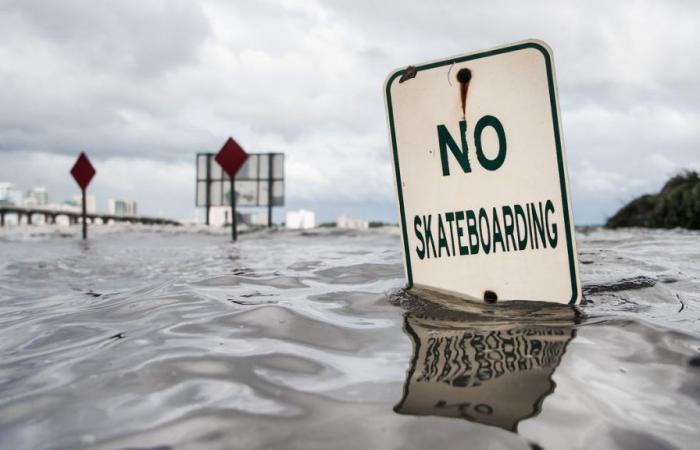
(75, 217)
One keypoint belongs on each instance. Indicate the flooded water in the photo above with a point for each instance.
(175, 338)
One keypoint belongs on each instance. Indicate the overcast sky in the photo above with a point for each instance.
(141, 86)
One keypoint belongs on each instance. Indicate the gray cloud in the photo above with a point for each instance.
(145, 85)
(126, 36)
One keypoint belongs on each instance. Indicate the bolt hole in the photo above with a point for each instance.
(464, 75)
(490, 297)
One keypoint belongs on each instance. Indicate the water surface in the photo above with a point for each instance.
(147, 337)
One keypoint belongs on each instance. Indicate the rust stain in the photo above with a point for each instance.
(409, 73)
(464, 76)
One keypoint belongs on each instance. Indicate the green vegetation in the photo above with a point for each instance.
(677, 205)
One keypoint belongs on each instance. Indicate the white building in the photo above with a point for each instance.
(259, 219)
(9, 195)
(351, 223)
(90, 203)
(118, 207)
(300, 220)
(37, 196)
(69, 205)
(219, 215)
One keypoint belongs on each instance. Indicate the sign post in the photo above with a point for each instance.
(259, 182)
(481, 179)
(208, 205)
(82, 172)
(231, 157)
(84, 214)
(234, 219)
(270, 191)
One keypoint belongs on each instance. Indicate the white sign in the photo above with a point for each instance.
(481, 176)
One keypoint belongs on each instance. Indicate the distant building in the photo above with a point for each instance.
(221, 215)
(121, 207)
(257, 219)
(70, 205)
(37, 196)
(5, 190)
(9, 195)
(301, 219)
(351, 223)
(90, 203)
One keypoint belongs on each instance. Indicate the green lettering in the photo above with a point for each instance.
(519, 212)
(508, 222)
(442, 238)
(429, 236)
(419, 250)
(471, 228)
(489, 164)
(450, 217)
(538, 221)
(483, 218)
(459, 215)
(553, 236)
(445, 140)
(529, 226)
(497, 236)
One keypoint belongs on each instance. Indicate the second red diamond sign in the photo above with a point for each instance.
(82, 171)
(231, 157)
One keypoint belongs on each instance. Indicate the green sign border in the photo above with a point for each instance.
(557, 137)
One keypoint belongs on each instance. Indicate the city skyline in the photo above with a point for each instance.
(40, 196)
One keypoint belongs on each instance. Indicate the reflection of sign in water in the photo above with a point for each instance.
(491, 374)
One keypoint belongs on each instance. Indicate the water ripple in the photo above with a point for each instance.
(160, 339)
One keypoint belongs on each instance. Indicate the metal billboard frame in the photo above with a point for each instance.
(214, 174)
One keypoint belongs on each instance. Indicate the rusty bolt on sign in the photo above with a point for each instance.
(409, 73)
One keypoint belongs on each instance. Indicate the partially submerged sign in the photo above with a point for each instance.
(481, 176)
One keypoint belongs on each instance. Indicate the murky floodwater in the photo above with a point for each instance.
(173, 338)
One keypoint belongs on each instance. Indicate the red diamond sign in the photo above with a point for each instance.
(231, 157)
(83, 171)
